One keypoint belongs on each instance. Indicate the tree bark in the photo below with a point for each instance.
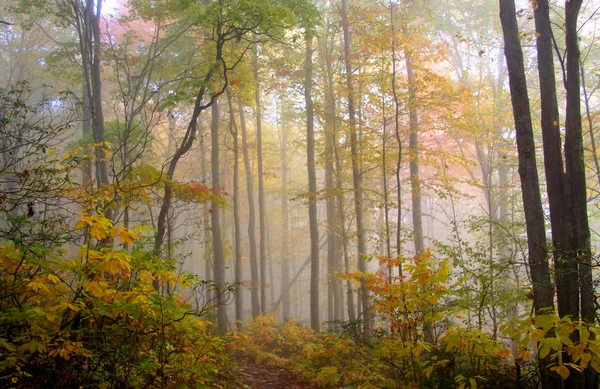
(543, 292)
(335, 298)
(261, 189)
(218, 258)
(315, 321)
(413, 147)
(239, 300)
(251, 217)
(356, 177)
(285, 219)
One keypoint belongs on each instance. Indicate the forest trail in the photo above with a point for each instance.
(257, 376)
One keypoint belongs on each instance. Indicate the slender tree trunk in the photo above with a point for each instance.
(534, 216)
(218, 259)
(398, 141)
(415, 183)
(239, 301)
(206, 239)
(335, 297)
(356, 177)
(94, 14)
(251, 218)
(86, 127)
(261, 190)
(315, 321)
(285, 220)
(341, 223)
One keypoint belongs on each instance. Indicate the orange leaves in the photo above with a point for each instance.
(198, 193)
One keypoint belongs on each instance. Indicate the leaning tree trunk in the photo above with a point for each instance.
(543, 290)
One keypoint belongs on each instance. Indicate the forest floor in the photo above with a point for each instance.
(256, 376)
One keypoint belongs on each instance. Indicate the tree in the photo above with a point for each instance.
(239, 302)
(261, 189)
(251, 217)
(356, 175)
(543, 291)
(315, 321)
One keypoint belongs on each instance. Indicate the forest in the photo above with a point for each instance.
(299, 194)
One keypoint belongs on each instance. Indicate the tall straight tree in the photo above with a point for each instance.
(315, 321)
(413, 147)
(261, 188)
(393, 6)
(215, 211)
(285, 216)
(239, 302)
(334, 293)
(356, 174)
(254, 291)
(543, 290)
(553, 164)
(575, 166)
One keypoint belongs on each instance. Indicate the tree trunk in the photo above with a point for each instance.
(543, 291)
(261, 189)
(285, 220)
(335, 298)
(398, 141)
(251, 217)
(239, 301)
(356, 177)
(576, 184)
(413, 147)
(206, 242)
(93, 14)
(218, 258)
(86, 127)
(315, 321)
(575, 166)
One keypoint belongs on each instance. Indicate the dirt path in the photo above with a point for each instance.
(254, 376)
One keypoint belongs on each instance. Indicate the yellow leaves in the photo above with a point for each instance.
(97, 288)
(126, 235)
(98, 224)
(562, 370)
(101, 228)
(115, 263)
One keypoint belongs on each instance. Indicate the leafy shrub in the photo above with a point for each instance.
(98, 321)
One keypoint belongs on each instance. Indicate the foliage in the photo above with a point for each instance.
(97, 320)
(462, 357)
(33, 175)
